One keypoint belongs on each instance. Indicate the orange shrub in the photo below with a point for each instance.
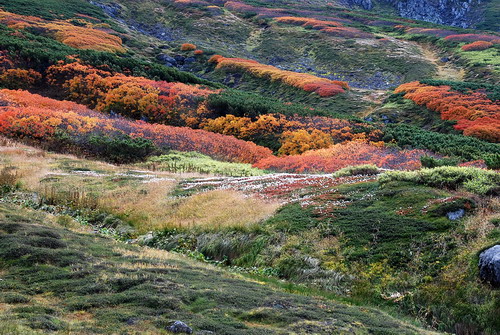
(136, 97)
(342, 155)
(304, 81)
(29, 115)
(308, 22)
(215, 59)
(330, 27)
(477, 46)
(300, 141)
(198, 52)
(85, 38)
(75, 36)
(475, 114)
(188, 47)
(346, 32)
(292, 135)
(19, 78)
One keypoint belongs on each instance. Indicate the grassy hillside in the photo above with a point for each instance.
(387, 243)
(57, 280)
(246, 167)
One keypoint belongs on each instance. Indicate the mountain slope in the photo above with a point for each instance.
(57, 280)
(458, 13)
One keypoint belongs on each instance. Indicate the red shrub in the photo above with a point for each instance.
(477, 46)
(471, 37)
(342, 155)
(304, 81)
(475, 114)
(39, 118)
(188, 47)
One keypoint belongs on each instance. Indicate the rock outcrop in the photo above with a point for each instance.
(489, 265)
(459, 13)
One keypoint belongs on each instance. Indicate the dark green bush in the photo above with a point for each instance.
(432, 162)
(463, 147)
(472, 179)
(252, 105)
(123, 149)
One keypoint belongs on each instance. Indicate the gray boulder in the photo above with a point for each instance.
(489, 265)
(166, 59)
(179, 327)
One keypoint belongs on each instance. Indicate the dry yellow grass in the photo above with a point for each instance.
(148, 206)
(222, 208)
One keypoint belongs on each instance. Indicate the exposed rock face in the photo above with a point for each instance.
(365, 4)
(459, 13)
(489, 265)
(179, 327)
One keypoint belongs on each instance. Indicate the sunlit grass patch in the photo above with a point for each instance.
(221, 208)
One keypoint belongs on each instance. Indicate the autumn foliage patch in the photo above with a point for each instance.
(136, 97)
(475, 113)
(33, 117)
(304, 81)
(473, 38)
(188, 47)
(477, 46)
(289, 135)
(308, 22)
(89, 36)
(342, 155)
(330, 27)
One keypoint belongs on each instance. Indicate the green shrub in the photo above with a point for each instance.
(366, 169)
(39, 52)
(475, 180)
(493, 161)
(123, 149)
(252, 105)
(14, 298)
(180, 162)
(432, 162)
(463, 147)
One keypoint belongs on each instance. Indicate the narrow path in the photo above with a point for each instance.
(445, 70)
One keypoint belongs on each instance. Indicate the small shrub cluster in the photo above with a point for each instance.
(477, 46)
(356, 170)
(465, 148)
(304, 81)
(188, 47)
(475, 113)
(432, 162)
(472, 179)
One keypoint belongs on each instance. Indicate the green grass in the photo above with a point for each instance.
(386, 238)
(184, 162)
(92, 285)
(472, 179)
(53, 9)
